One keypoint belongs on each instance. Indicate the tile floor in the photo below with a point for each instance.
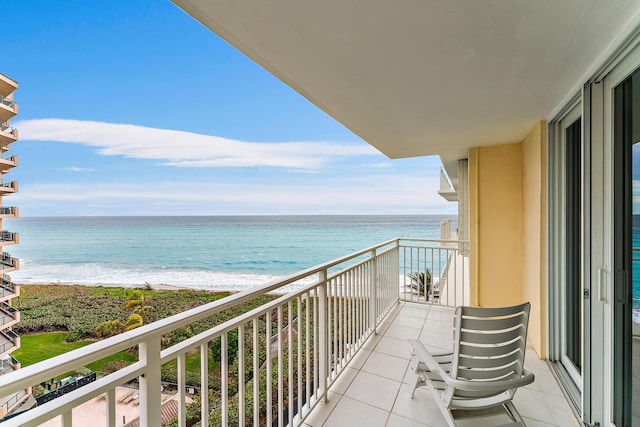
(375, 388)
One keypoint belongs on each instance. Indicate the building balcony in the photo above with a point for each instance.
(9, 238)
(446, 189)
(9, 212)
(8, 263)
(8, 135)
(8, 364)
(8, 289)
(8, 161)
(8, 187)
(339, 335)
(8, 109)
(9, 341)
(7, 85)
(8, 315)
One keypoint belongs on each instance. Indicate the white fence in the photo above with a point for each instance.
(274, 363)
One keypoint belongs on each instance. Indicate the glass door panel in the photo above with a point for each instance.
(626, 239)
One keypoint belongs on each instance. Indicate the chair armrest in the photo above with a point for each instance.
(428, 359)
(491, 386)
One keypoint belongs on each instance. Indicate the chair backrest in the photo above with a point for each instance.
(490, 344)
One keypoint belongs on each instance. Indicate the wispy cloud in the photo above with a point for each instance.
(393, 195)
(77, 169)
(185, 149)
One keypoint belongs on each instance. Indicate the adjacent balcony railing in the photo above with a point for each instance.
(8, 108)
(8, 161)
(446, 189)
(8, 186)
(8, 364)
(8, 262)
(9, 340)
(8, 289)
(8, 134)
(9, 237)
(276, 362)
(8, 212)
(8, 314)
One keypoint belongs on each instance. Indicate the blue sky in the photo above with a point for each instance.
(134, 108)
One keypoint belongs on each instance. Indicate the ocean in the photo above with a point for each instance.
(201, 252)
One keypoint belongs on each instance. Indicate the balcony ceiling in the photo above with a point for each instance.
(416, 78)
(7, 85)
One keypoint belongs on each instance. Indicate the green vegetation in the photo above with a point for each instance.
(78, 310)
(36, 348)
(59, 318)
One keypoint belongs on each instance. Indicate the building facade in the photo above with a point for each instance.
(9, 316)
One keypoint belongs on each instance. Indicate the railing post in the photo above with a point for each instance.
(323, 328)
(373, 303)
(150, 396)
(67, 419)
(110, 400)
(396, 270)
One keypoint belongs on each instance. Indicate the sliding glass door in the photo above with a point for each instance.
(626, 240)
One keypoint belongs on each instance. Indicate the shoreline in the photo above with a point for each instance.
(150, 286)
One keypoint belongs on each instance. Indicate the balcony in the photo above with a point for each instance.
(8, 134)
(8, 364)
(8, 315)
(7, 85)
(8, 289)
(446, 189)
(9, 238)
(8, 263)
(8, 161)
(9, 341)
(8, 187)
(8, 108)
(338, 333)
(9, 212)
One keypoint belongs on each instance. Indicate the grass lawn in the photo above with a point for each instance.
(36, 348)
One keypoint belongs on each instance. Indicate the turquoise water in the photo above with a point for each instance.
(235, 252)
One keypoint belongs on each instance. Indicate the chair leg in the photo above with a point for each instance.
(419, 382)
(513, 412)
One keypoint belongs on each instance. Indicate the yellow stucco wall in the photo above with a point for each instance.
(534, 208)
(507, 199)
(497, 214)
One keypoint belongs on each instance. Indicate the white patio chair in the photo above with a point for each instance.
(482, 374)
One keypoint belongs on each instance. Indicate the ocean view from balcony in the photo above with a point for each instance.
(201, 252)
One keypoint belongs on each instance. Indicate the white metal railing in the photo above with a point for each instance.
(274, 363)
(435, 271)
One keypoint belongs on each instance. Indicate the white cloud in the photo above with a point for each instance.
(185, 149)
(77, 169)
(394, 195)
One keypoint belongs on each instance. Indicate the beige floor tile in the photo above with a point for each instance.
(374, 390)
(422, 408)
(545, 407)
(360, 357)
(386, 366)
(394, 347)
(402, 332)
(350, 413)
(340, 385)
(409, 321)
(398, 421)
(436, 339)
(321, 412)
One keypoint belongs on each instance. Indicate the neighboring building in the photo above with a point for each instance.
(9, 316)
(534, 110)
